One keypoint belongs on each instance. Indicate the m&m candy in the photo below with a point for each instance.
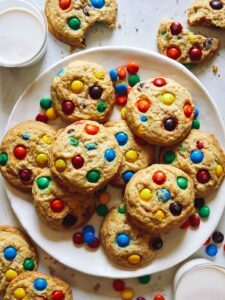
(133, 80)
(45, 103)
(43, 182)
(57, 295)
(218, 237)
(118, 285)
(203, 176)
(127, 175)
(78, 238)
(122, 72)
(93, 176)
(64, 4)
(113, 75)
(3, 159)
(132, 68)
(68, 107)
(143, 105)
(176, 28)
(123, 240)
(10, 253)
(42, 118)
(144, 279)
(74, 23)
(196, 156)
(182, 182)
(91, 129)
(28, 264)
(110, 155)
(78, 162)
(121, 89)
(95, 92)
(89, 237)
(98, 3)
(20, 152)
(211, 250)
(159, 297)
(156, 244)
(121, 99)
(173, 53)
(216, 4)
(159, 177)
(194, 220)
(159, 82)
(40, 284)
(25, 175)
(176, 208)
(95, 244)
(102, 210)
(121, 138)
(170, 124)
(57, 205)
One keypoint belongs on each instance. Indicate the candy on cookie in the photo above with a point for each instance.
(201, 157)
(188, 48)
(159, 198)
(69, 20)
(18, 255)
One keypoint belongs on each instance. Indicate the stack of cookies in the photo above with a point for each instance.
(153, 153)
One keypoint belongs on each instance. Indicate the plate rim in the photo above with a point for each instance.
(183, 69)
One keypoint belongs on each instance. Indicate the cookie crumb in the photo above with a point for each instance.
(96, 287)
(119, 25)
(215, 69)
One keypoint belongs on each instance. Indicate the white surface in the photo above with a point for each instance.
(176, 245)
(139, 21)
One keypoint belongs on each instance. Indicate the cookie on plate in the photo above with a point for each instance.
(69, 20)
(36, 285)
(57, 207)
(207, 13)
(202, 158)
(137, 154)
(124, 243)
(18, 255)
(159, 198)
(160, 111)
(83, 91)
(24, 153)
(85, 156)
(184, 46)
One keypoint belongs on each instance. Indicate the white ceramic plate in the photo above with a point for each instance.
(177, 245)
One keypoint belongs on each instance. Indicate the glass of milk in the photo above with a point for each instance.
(23, 33)
(199, 279)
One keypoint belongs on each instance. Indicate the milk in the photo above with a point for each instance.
(202, 282)
(22, 36)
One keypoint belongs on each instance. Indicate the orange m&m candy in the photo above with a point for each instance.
(143, 105)
(91, 129)
(64, 4)
(20, 152)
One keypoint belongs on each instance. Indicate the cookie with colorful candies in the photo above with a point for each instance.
(160, 111)
(201, 157)
(85, 157)
(18, 255)
(124, 243)
(24, 153)
(137, 154)
(69, 20)
(34, 285)
(184, 46)
(83, 92)
(207, 13)
(159, 198)
(57, 207)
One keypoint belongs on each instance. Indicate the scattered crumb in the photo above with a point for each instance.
(51, 271)
(215, 69)
(136, 29)
(96, 287)
(72, 49)
(119, 25)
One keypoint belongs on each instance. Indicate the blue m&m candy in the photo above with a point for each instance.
(164, 195)
(89, 237)
(196, 156)
(121, 138)
(98, 3)
(127, 175)
(113, 75)
(121, 89)
(123, 240)
(196, 112)
(10, 253)
(110, 155)
(143, 119)
(88, 228)
(211, 250)
(40, 284)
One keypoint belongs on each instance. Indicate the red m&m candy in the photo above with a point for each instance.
(64, 4)
(68, 107)
(176, 28)
(159, 177)
(42, 118)
(118, 285)
(20, 152)
(188, 110)
(132, 68)
(78, 238)
(159, 297)
(173, 53)
(195, 53)
(121, 72)
(57, 205)
(121, 99)
(78, 162)
(200, 145)
(203, 176)
(194, 220)
(91, 129)
(95, 244)
(58, 295)
(25, 175)
(159, 82)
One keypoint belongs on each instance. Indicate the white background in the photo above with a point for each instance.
(139, 20)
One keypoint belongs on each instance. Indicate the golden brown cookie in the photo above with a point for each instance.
(83, 91)
(160, 111)
(202, 158)
(85, 156)
(137, 154)
(35, 285)
(184, 46)
(69, 20)
(159, 198)
(24, 153)
(57, 207)
(18, 255)
(124, 243)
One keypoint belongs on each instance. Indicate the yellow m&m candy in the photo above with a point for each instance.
(131, 156)
(19, 293)
(145, 194)
(60, 165)
(42, 160)
(10, 274)
(127, 294)
(160, 214)
(168, 98)
(134, 259)
(77, 86)
(219, 170)
(51, 114)
(122, 112)
(47, 140)
(99, 75)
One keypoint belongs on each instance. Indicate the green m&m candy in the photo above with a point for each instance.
(3, 159)
(93, 176)
(28, 264)
(74, 23)
(43, 182)
(169, 157)
(45, 103)
(182, 182)
(204, 212)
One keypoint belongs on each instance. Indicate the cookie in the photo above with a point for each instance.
(202, 158)
(83, 91)
(69, 20)
(160, 111)
(58, 208)
(207, 13)
(17, 255)
(36, 285)
(184, 46)
(125, 244)
(24, 153)
(136, 154)
(85, 156)
(159, 198)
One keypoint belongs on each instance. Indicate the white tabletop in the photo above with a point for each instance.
(139, 20)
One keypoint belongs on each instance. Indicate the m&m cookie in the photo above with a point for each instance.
(69, 20)
(84, 91)
(160, 111)
(58, 208)
(24, 153)
(125, 244)
(36, 285)
(159, 198)
(85, 156)
(207, 13)
(188, 48)
(202, 158)
(137, 154)
(17, 255)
